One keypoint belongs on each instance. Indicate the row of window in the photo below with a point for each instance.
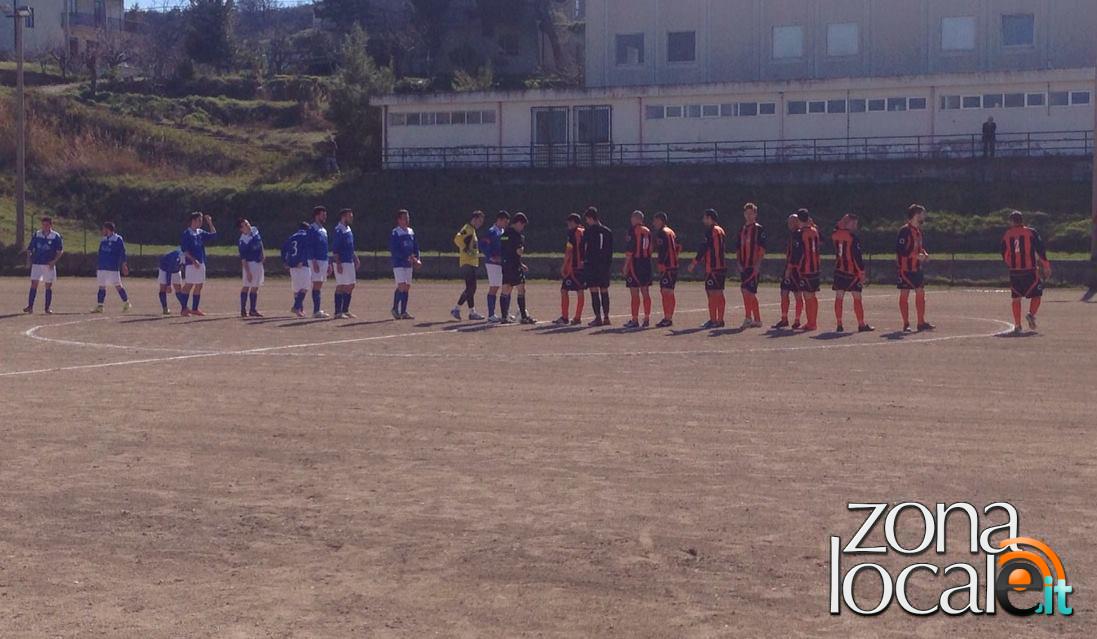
(855, 105)
(958, 33)
(441, 117)
(729, 110)
(1015, 100)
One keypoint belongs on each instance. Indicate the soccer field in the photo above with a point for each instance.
(215, 477)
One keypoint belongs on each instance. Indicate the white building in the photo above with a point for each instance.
(781, 80)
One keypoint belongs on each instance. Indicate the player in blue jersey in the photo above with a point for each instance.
(319, 266)
(252, 255)
(491, 246)
(346, 264)
(111, 267)
(171, 263)
(44, 250)
(404, 250)
(193, 245)
(295, 255)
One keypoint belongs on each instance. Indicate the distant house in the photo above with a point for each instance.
(715, 81)
(68, 24)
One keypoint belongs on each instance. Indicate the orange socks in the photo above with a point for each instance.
(859, 311)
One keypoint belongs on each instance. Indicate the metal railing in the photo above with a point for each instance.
(912, 147)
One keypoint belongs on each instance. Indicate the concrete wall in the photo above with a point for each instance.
(632, 121)
(895, 37)
(51, 25)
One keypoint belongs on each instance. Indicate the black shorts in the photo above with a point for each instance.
(847, 283)
(791, 284)
(1026, 284)
(716, 281)
(641, 277)
(573, 283)
(748, 277)
(597, 275)
(513, 275)
(669, 279)
(810, 283)
(909, 281)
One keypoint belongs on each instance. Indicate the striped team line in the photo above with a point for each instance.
(189, 355)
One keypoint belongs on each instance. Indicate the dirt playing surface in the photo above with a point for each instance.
(170, 477)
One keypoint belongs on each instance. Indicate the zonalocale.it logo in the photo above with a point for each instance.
(1020, 575)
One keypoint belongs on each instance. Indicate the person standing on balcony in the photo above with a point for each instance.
(990, 138)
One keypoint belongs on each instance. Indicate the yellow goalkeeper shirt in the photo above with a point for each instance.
(467, 246)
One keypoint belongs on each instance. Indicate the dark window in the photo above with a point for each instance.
(877, 104)
(457, 117)
(897, 104)
(916, 104)
(950, 102)
(1015, 100)
(973, 101)
(674, 111)
(710, 111)
(693, 111)
(630, 49)
(817, 106)
(654, 112)
(474, 117)
(398, 119)
(592, 124)
(992, 101)
(682, 46)
(797, 107)
(858, 106)
(836, 106)
(1079, 97)
(442, 118)
(1019, 30)
(1036, 99)
(727, 110)
(767, 108)
(748, 109)
(550, 125)
(1060, 98)
(489, 117)
(414, 119)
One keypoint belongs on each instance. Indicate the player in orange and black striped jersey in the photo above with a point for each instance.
(1026, 258)
(849, 271)
(910, 253)
(810, 265)
(571, 274)
(712, 254)
(666, 251)
(752, 250)
(637, 269)
(790, 281)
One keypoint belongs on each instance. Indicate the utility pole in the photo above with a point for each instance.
(18, 16)
(1093, 231)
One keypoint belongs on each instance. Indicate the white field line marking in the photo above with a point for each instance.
(33, 332)
(268, 349)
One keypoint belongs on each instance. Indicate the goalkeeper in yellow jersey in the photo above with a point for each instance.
(468, 249)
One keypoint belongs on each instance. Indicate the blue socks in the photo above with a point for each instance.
(30, 297)
(253, 299)
(491, 305)
(400, 301)
(183, 299)
(339, 302)
(346, 302)
(243, 302)
(194, 301)
(49, 298)
(315, 301)
(299, 301)
(101, 297)
(164, 301)
(122, 293)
